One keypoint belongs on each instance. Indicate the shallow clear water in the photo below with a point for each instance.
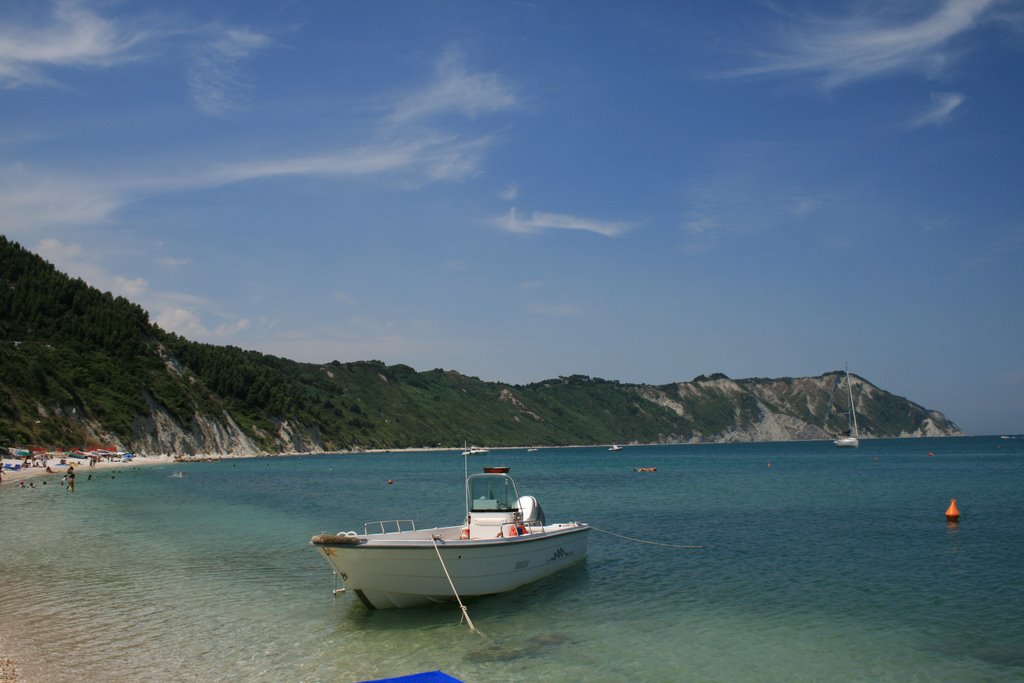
(825, 565)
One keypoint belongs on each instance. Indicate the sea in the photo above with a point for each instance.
(730, 562)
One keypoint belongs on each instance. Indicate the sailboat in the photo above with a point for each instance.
(851, 438)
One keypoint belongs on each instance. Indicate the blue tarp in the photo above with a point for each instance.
(425, 677)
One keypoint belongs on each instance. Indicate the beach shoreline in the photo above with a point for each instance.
(52, 467)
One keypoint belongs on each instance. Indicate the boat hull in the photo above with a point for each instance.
(403, 570)
(847, 442)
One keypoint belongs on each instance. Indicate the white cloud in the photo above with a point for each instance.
(72, 37)
(174, 311)
(854, 48)
(509, 193)
(185, 318)
(941, 111)
(232, 328)
(129, 288)
(181, 320)
(77, 261)
(29, 201)
(539, 221)
(216, 78)
(456, 89)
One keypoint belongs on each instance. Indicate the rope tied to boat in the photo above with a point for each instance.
(640, 540)
(465, 612)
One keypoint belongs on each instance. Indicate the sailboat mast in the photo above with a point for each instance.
(853, 413)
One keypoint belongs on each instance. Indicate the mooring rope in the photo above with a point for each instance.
(465, 612)
(640, 540)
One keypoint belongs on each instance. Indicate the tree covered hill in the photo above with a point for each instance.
(79, 366)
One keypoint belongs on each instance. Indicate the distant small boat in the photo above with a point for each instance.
(645, 469)
(615, 448)
(473, 450)
(178, 475)
(534, 450)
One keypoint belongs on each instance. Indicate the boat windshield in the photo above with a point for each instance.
(491, 493)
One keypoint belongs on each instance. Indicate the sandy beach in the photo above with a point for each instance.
(53, 467)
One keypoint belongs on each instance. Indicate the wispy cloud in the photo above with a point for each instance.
(852, 48)
(72, 36)
(700, 234)
(456, 89)
(509, 193)
(30, 201)
(941, 111)
(216, 78)
(803, 206)
(436, 157)
(540, 221)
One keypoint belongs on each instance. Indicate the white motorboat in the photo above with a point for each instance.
(474, 450)
(851, 438)
(615, 448)
(504, 543)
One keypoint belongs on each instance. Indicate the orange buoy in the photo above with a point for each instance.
(952, 513)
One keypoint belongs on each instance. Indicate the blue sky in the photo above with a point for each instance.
(641, 191)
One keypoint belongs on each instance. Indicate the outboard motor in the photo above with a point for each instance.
(531, 510)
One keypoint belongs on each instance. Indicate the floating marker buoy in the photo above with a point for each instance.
(930, 454)
(952, 513)
(390, 482)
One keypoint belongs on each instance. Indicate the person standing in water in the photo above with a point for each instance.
(71, 479)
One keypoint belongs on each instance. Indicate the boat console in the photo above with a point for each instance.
(496, 509)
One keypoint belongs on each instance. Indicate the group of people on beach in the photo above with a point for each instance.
(67, 481)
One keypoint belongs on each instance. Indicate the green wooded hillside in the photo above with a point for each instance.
(80, 366)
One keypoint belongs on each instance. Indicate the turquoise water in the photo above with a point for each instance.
(827, 565)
